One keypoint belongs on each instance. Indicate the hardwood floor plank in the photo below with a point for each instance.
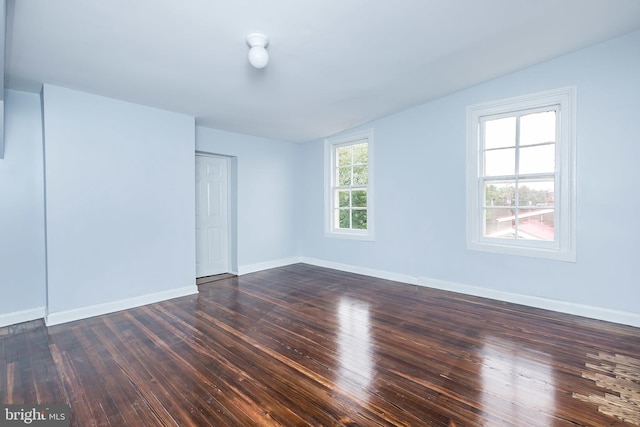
(85, 408)
(153, 390)
(303, 345)
(119, 400)
(43, 373)
(173, 361)
(20, 386)
(230, 361)
(263, 366)
(13, 384)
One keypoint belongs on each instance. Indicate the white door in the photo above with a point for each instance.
(212, 228)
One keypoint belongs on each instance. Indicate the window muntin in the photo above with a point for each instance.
(521, 176)
(350, 191)
(349, 195)
(518, 175)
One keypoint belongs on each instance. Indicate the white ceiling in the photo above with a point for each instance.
(335, 64)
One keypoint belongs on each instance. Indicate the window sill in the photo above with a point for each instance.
(544, 253)
(368, 237)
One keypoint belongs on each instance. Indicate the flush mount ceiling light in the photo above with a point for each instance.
(258, 55)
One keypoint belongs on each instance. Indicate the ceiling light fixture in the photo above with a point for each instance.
(258, 55)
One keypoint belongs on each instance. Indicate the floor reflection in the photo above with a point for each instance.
(355, 350)
(517, 382)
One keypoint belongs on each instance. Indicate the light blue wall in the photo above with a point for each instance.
(120, 199)
(266, 196)
(22, 272)
(420, 188)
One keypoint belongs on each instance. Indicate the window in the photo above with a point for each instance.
(349, 186)
(521, 176)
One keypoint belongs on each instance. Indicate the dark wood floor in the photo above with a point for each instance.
(302, 345)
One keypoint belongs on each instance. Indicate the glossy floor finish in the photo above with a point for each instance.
(303, 345)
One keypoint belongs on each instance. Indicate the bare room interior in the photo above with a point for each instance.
(323, 213)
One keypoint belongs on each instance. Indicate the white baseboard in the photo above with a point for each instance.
(111, 307)
(22, 316)
(252, 268)
(593, 312)
(380, 274)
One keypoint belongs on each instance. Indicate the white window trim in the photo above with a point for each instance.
(564, 248)
(329, 164)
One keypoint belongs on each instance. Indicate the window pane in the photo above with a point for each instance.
(538, 128)
(359, 218)
(499, 223)
(343, 198)
(343, 218)
(344, 156)
(536, 193)
(500, 133)
(500, 162)
(347, 169)
(499, 193)
(359, 198)
(344, 176)
(538, 159)
(360, 175)
(360, 154)
(536, 224)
